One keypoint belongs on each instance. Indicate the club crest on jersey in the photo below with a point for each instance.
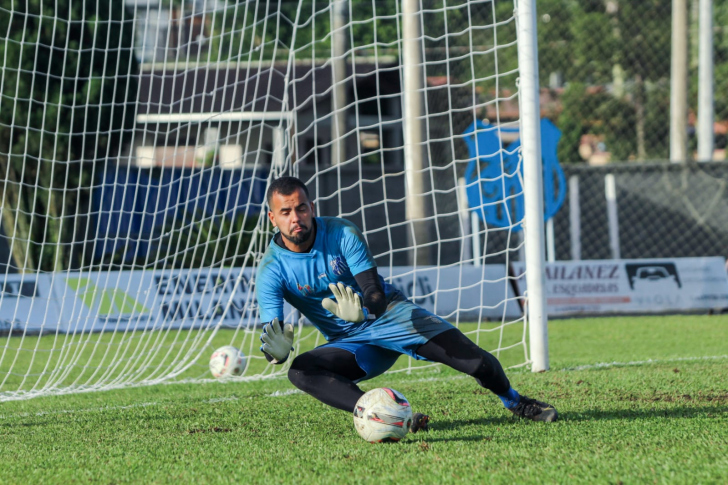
(338, 265)
(305, 290)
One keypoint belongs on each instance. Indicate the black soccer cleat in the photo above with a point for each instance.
(535, 410)
(420, 422)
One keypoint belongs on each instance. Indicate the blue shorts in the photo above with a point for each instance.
(402, 329)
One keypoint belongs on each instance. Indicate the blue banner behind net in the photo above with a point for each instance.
(133, 205)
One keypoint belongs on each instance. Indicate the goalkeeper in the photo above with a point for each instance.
(323, 267)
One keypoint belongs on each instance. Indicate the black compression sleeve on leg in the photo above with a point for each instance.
(328, 374)
(456, 350)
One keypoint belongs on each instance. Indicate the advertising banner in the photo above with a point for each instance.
(27, 304)
(202, 298)
(467, 292)
(147, 300)
(633, 285)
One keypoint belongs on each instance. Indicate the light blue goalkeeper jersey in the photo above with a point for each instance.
(302, 279)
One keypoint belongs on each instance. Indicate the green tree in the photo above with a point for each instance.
(66, 103)
(720, 60)
(584, 113)
(555, 39)
(624, 44)
(615, 117)
(657, 125)
(571, 123)
(644, 45)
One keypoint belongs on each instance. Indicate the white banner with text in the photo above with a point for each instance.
(465, 293)
(122, 301)
(153, 300)
(633, 285)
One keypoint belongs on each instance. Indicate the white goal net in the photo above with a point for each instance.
(137, 138)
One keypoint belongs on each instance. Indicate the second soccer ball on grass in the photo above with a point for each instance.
(227, 361)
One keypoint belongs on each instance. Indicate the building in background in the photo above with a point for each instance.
(163, 34)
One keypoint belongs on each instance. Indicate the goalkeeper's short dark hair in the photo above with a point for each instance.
(285, 186)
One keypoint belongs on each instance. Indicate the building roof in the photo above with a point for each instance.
(209, 88)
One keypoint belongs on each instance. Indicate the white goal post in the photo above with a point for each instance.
(137, 139)
(533, 183)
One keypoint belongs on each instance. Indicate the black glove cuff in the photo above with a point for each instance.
(269, 358)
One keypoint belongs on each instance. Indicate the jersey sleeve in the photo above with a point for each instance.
(269, 293)
(355, 249)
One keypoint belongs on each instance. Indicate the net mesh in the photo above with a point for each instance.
(138, 138)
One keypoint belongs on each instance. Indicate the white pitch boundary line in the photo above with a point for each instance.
(285, 393)
(222, 399)
(602, 365)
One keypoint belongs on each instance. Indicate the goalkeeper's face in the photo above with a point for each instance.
(293, 216)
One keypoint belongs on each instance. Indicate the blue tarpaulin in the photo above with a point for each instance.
(132, 205)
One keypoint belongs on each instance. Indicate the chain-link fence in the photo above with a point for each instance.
(605, 68)
(658, 210)
(605, 72)
(605, 77)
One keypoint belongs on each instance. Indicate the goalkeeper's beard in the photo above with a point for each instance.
(301, 237)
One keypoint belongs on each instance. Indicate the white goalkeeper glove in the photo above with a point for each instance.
(348, 305)
(277, 340)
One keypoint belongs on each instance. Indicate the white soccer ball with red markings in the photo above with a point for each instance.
(227, 361)
(382, 415)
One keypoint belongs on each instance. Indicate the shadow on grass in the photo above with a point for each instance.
(438, 423)
(94, 419)
(25, 425)
(425, 438)
(682, 412)
(443, 424)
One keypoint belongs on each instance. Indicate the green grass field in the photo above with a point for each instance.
(656, 411)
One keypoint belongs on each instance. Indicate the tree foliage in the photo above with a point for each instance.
(69, 79)
(623, 46)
